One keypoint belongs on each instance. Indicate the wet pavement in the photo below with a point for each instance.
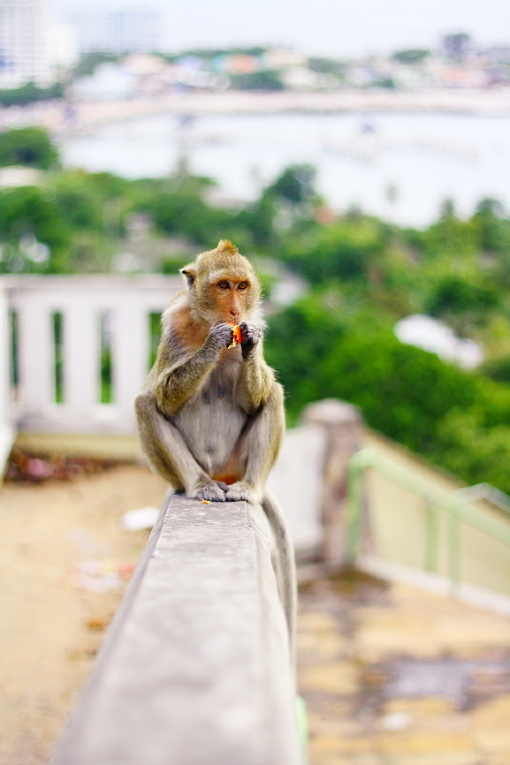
(393, 675)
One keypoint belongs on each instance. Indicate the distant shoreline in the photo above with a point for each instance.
(490, 102)
(87, 115)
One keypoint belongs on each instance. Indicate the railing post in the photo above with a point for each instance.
(454, 507)
(6, 417)
(354, 506)
(343, 424)
(432, 535)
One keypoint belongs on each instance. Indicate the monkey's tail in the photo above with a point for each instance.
(285, 564)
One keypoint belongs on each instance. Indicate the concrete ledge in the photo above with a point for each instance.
(109, 446)
(195, 669)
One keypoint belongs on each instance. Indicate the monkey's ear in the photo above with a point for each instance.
(190, 273)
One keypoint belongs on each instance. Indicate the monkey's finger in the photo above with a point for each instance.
(221, 335)
(250, 334)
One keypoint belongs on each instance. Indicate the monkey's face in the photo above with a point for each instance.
(229, 298)
(223, 285)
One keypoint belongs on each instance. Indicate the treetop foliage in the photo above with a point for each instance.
(411, 56)
(28, 146)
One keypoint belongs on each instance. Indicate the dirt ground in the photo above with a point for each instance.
(64, 563)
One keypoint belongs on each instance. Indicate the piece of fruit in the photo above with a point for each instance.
(237, 335)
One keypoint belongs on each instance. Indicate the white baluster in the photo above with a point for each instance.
(36, 360)
(81, 358)
(130, 350)
(6, 415)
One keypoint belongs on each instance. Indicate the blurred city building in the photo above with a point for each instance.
(25, 43)
(119, 30)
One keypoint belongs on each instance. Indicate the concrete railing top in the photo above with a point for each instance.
(196, 668)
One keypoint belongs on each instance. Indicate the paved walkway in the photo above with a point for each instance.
(396, 676)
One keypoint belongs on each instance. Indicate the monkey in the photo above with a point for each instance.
(210, 416)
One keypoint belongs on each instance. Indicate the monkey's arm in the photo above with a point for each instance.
(256, 379)
(255, 383)
(179, 375)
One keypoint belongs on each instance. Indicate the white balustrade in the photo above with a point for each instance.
(79, 302)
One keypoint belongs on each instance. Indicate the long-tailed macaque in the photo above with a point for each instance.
(211, 415)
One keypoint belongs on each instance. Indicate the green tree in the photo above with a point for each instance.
(26, 212)
(29, 146)
(451, 237)
(492, 227)
(326, 66)
(264, 80)
(345, 250)
(295, 184)
(177, 207)
(463, 300)
(89, 61)
(78, 201)
(258, 219)
(402, 391)
(297, 342)
(411, 56)
(29, 93)
(475, 453)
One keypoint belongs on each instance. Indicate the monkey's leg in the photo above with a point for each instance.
(168, 453)
(257, 451)
(258, 448)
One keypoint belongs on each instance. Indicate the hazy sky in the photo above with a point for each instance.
(331, 27)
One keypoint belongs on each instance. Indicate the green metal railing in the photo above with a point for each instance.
(456, 507)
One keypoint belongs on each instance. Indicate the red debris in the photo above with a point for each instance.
(31, 467)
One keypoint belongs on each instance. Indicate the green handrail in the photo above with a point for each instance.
(456, 508)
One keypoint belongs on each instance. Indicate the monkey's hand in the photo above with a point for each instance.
(251, 336)
(220, 336)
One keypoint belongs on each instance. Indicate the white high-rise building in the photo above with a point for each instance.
(118, 30)
(24, 43)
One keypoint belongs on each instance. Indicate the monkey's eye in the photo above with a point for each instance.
(224, 285)
(242, 285)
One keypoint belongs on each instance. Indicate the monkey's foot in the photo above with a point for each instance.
(242, 490)
(210, 491)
